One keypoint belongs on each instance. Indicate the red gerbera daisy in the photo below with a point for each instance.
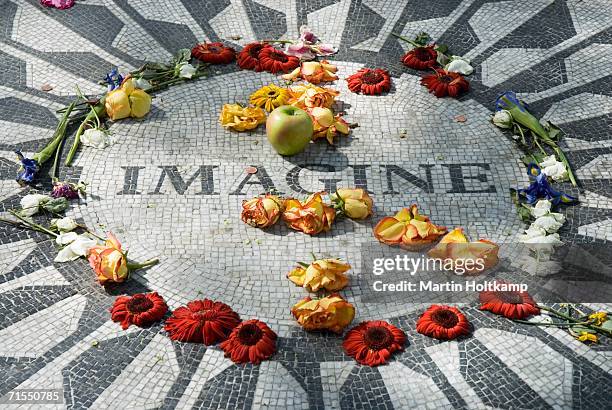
(373, 342)
(202, 321)
(213, 53)
(444, 83)
(252, 341)
(141, 309)
(443, 322)
(421, 58)
(274, 60)
(370, 81)
(510, 304)
(248, 57)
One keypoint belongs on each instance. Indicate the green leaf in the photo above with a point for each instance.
(183, 55)
(607, 325)
(422, 38)
(56, 205)
(442, 48)
(577, 329)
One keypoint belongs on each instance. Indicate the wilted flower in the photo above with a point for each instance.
(541, 208)
(66, 224)
(96, 138)
(421, 58)
(598, 318)
(329, 313)
(248, 57)
(353, 202)
(300, 50)
(553, 168)
(459, 65)
(67, 190)
(370, 81)
(311, 217)
(275, 61)
(540, 188)
(309, 96)
(75, 246)
(536, 239)
(213, 53)
(113, 79)
(252, 341)
(328, 274)
(444, 83)
(240, 118)
(326, 125)
(587, 337)
(308, 46)
(269, 97)
(502, 119)
(261, 212)
(307, 35)
(186, 70)
(27, 170)
(314, 72)
(455, 246)
(409, 229)
(372, 343)
(30, 204)
(443, 322)
(141, 310)
(551, 222)
(127, 101)
(58, 4)
(109, 261)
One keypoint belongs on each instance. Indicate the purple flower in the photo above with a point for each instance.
(540, 188)
(65, 190)
(507, 100)
(27, 170)
(307, 36)
(58, 4)
(113, 79)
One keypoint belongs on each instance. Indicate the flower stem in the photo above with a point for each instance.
(135, 265)
(576, 321)
(407, 40)
(32, 225)
(94, 113)
(58, 136)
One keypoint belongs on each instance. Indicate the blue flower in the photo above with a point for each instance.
(113, 79)
(510, 97)
(540, 188)
(27, 170)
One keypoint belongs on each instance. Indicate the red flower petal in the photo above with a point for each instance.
(421, 58)
(511, 304)
(275, 61)
(252, 341)
(443, 322)
(372, 343)
(248, 57)
(370, 81)
(141, 309)
(202, 321)
(213, 53)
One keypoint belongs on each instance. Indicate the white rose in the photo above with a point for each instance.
(30, 203)
(187, 70)
(66, 224)
(542, 245)
(95, 138)
(459, 65)
(502, 119)
(66, 238)
(142, 84)
(76, 248)
(550, 223)
(531, 233)
(553, 168)
(541, 208)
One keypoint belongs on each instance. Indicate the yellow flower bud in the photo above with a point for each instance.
(355, 202)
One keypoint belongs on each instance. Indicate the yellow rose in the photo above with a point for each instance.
(354, 202)
(311, 217)
(326, 125)
(309, 95)
(127, 101)
(240, 118)
(408, 228)
(328, 274)
(455, 246)
(261, 212)
(330, 313)
(314, 72)
(117, 104)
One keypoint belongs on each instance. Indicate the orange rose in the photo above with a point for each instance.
(328, 274)
(311, 217)
(314, 72)
(455, 247)
(326, 125)
(408, 229)
(309, 95)
(261, 212)
(108, 261)
(332, 313)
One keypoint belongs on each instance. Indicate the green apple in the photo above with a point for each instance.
(289, 129)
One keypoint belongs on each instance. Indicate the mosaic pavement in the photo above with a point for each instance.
(173, 185)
